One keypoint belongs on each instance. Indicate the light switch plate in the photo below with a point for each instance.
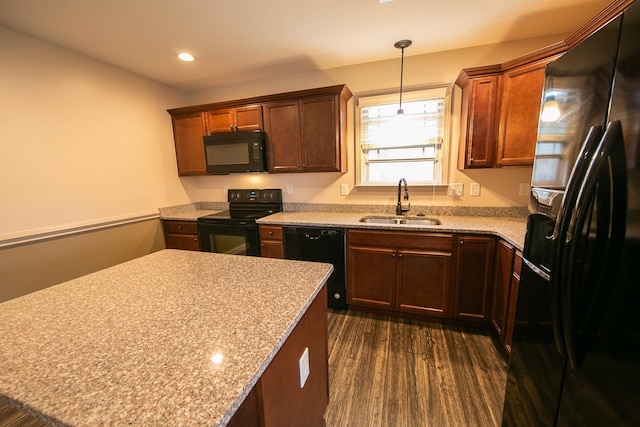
(524, 189)
(344, 189)
(474, 189)
(289, 188)
(304, 367)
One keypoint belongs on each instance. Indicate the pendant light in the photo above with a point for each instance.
(402, 44)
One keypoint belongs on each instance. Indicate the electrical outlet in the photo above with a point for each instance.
(225, 190)
(344, 189)
(456, 189)
(524, 189)
(474, 189)
(289, 189)
(303, 364)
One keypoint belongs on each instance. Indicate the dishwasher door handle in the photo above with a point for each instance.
(312, 237)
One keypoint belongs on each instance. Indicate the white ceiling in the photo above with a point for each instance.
(244, 40)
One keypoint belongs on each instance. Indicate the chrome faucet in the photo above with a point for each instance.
(399, 209)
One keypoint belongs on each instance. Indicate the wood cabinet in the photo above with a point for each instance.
(271, 243)
(500, 111)
(181, 235)
(505, 253)
(509, 323)
(400, 271)
(307, 134)
(188, 130)
(520, 101)
(475, 268)
(305, 129)
(479, 129)
(245, 118)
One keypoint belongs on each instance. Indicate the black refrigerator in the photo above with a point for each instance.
(575, 357)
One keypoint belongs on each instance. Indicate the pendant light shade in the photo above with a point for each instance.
(402, 44)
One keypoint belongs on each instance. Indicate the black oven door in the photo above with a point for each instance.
(234, 239)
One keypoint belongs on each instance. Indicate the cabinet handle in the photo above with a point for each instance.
(393, 255)
(400, 255)
(461, 242)
(195, 239)
(270, 233)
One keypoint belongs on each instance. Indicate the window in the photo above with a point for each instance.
(410, 146)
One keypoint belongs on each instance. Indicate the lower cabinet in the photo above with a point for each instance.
(181, 235)
(475, 277)
(400, 271)
(502, 285)
(510, 320)
(271, 244)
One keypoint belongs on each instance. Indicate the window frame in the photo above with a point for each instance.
(408, 95)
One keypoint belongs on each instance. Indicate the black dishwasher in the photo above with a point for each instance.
(323, 245)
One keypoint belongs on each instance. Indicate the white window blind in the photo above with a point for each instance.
(410, 146)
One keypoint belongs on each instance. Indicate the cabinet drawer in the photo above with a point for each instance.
(270, 232)
(180, 227)
(183, 241)
(404, 240)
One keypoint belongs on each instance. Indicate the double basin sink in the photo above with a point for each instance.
(400, 219)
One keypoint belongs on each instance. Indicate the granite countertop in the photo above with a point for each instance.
(510, 229)
(133, 344)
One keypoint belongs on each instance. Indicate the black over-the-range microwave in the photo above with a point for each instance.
(233, 152)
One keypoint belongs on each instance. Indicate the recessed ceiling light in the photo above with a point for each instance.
(186, 57)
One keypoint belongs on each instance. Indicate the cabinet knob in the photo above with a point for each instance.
(471, 160)
(400, 255)
(195, 239)
(270, 233)
(461, 242)
(179, 227)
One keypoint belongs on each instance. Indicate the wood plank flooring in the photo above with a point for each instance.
(401, 373)
(398, 372)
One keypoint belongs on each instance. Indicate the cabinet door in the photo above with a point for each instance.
(320, 137)
(282, 126)
(507, 337)
(188, 130)
(480, 126)
(424, 279)
(234, 119)
(371, 276)
(271, 245)
(475, 277)
(519, 113)
(248, 118)
(502, 283)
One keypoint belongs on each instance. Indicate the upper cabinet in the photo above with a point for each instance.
(305, 130)
(500, 110)
(307, 134)
(248, 117)
(188, 130)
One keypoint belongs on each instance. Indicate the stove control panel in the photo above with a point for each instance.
(272, 195)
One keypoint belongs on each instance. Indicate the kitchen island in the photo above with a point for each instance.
(172, 338)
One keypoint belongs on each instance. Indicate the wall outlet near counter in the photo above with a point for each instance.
(524, 189)
(456, 189)
(303, 364)
(289, 188)
(344, 189)
(225, 190)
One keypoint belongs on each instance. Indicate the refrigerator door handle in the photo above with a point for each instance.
(559, 232)
(609, 154)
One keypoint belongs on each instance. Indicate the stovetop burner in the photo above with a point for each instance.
(247, 205)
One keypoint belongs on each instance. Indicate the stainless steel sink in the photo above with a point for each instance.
(396, 219)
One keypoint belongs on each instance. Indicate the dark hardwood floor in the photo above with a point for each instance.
(397, 372)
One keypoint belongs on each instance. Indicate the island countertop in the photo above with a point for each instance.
(133, 344)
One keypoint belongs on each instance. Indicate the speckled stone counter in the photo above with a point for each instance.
(510, 229)
(133, 344)
(191, 211)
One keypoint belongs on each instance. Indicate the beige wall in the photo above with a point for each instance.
(28, 268)
(82, 143)
(498, 187)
